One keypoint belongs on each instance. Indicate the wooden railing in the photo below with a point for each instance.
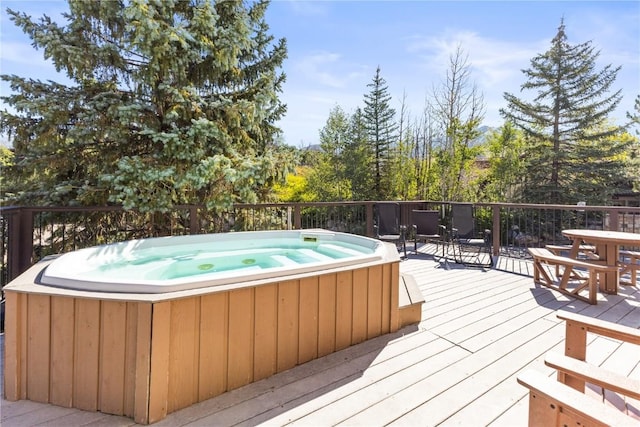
(30, 233)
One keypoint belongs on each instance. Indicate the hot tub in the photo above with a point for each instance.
(177, 263)
(95, 330)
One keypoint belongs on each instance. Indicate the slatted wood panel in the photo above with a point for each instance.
(214, 330)
(459, 367)
(147, 360)
(265, 335)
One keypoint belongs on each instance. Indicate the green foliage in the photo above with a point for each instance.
(296, 187)
(567, 115)
(174, 103)
(379, 122)
(502, 181)
(460, 109)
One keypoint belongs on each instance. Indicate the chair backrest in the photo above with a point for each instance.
(387, 218)
(462, 219)
(426, 222)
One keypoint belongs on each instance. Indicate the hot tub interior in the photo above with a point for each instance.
(185, 262)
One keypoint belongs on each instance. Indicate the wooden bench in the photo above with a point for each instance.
(552, 403)
(563, 402)
(410, 300)
(540, 274)
(632, 266)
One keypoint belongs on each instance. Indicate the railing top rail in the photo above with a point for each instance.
(9, 209)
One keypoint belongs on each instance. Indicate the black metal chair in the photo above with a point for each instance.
(469, 247)
(387, 226)
(426, 227)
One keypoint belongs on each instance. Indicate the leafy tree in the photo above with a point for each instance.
(635, 117)
(296, 188)
(379, 120)
(502, 182)
(426, 135)
(459, 107)
(173, 102)
(403, 180)
(328, 179)
(566, 116)
(6, 160)
(359, 159)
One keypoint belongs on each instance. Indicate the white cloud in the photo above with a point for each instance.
(327, 69)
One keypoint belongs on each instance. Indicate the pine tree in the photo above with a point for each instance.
(567, 115)
(359, 159)
(329, 180)
(173, 102)
(379, 119)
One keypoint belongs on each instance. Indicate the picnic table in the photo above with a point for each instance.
(607, 244)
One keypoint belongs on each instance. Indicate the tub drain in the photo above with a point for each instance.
(205, 266)
(249, 261)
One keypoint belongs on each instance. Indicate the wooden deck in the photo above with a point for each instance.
(479, 330)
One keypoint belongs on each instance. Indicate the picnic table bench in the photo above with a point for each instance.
(588, 276)
(632, 266)
(564, 402)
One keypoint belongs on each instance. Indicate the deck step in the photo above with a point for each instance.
(410, 300)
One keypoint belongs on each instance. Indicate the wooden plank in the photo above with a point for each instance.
(360, 309)
(344, 309)
(550, 399)
(183, 338)
(13, 339)
(87, 354)
(142, 392)
(326, 314)
(374, 301)
(594, 374)
(308, 315)
(600, 327)
(387, 280)
(131, 339)
(214, 327)
(159, 361)
(265, 335)
(112, 356)
(241, 334)
(38, 349)
(62, 345)
(287, 324)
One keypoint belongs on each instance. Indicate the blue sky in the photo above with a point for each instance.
(335, 46)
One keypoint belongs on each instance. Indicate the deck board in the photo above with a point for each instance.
(479, 330)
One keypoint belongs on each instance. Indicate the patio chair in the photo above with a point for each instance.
(426, 227)
(387, 225)
(469, 248)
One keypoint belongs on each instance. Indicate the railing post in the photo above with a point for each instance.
(194, 220)
(495, 234)
(369, 215)
(613, 220)
(20, 242)
(297, 217)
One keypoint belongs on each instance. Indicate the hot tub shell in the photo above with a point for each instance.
(147, 355)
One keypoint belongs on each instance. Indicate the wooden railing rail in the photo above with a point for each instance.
(30, 233)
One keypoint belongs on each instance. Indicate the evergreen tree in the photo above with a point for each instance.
(359, 159)
(173, 102)
(567, 114)
(329, 181)
(379, 119)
